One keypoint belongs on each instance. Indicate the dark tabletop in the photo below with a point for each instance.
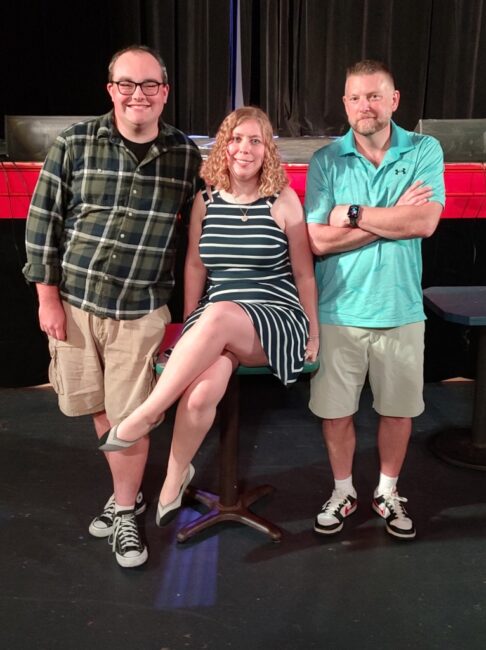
(463, 305)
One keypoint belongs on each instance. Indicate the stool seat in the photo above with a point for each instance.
(230, 504)
(309, 366)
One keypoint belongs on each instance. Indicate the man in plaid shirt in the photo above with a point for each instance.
(101, 241)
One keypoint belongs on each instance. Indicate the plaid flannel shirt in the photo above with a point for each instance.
(102, 226)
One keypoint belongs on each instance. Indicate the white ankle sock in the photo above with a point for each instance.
(386, 484)
(345, 486)
(118, 507)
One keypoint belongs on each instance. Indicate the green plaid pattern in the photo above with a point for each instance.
(102, 226)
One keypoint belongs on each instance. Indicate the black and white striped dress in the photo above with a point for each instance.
(247, 261)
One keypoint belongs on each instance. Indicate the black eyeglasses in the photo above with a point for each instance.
(148, 87)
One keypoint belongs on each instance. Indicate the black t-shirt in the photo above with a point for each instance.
(139, 149)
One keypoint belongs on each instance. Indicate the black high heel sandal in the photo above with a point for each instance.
(109, 441)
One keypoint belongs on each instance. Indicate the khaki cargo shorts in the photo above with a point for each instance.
(392, 358)
(105, 364)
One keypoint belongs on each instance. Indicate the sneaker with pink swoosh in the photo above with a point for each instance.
(390, 507)
(331, 518)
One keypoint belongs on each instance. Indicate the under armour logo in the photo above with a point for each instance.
(400, 171)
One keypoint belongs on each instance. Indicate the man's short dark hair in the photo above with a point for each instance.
(138, 48)
(369, 66)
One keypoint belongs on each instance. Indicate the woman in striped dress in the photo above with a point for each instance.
(245, 254)
(250, 295)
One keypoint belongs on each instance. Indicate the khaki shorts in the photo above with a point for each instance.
(392, 358)
(105, 364)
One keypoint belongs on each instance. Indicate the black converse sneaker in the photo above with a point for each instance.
(390, 507)
(102, 525)
(331, 518)
(125, 540)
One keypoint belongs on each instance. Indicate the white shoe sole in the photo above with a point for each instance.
(322, 531)
(131, 562)
(391, 531)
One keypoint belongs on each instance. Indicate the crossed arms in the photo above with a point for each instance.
(413, 215)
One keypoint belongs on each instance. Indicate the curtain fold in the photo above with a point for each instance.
(297, 52)
(193, 37)
(56, 55)
(294, 56)
(457, 66)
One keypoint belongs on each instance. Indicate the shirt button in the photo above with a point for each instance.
(122, 236)
(129, 214)
(114, 256)
(134, 191)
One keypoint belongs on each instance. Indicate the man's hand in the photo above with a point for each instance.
(338, 216)
(417, 194)
(52, 319)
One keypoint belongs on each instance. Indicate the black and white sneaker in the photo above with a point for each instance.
(390, 507)
(331, 518)
(125, 540)
(102, 525)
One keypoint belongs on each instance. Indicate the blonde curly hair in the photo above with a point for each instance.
(215, 171)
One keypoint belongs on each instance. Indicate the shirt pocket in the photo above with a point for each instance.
(99, 188)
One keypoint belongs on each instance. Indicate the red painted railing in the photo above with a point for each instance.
(465, 188)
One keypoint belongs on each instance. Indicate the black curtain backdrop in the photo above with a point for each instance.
(456, 65)
(294, 56)
(55, 55)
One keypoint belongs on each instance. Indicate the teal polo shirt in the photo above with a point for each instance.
(377, 285)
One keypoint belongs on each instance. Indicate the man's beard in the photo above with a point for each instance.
(368, 125)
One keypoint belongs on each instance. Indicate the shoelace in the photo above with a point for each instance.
(394, 504)
(125, 532)
(336, 502)
(109, 510)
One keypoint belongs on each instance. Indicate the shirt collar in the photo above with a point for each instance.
(401, 141)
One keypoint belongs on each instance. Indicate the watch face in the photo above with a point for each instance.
(353, 214)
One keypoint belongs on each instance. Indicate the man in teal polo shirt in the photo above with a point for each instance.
(371, 197)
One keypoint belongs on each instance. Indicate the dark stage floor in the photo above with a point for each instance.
(231, 588)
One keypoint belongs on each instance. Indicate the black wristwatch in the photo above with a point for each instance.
(353, 215)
